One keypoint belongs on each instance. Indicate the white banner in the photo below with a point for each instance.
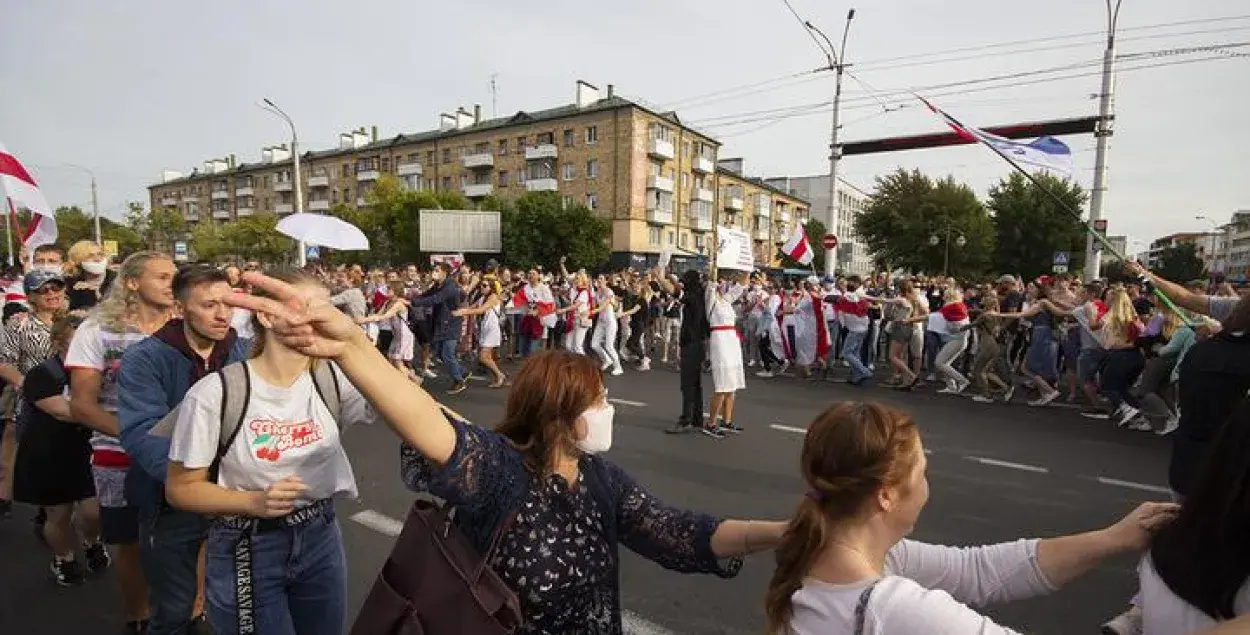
(733, 250)
(666, 256)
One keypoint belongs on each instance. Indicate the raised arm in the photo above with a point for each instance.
(1178, 294)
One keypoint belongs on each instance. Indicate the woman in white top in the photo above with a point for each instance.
(274, 542)
(490, 308)
(1198, 568)
(724, 353)
(403, 342)
(603, 341)
(579, 309)
(844, 565)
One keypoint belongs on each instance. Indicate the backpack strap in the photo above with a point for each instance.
(236, 393)
(861, 608)
(326, 382)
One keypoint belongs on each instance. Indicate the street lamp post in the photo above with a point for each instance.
(95, 201)
(836, 58)
(1106, 107)
(960, 241)
(299, 195)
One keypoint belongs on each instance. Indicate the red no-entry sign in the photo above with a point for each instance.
(830, 241)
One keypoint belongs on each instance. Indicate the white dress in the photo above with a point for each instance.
(489, 334)
(805, 332)
(724, 347)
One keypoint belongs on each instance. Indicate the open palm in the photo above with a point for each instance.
(301, 318)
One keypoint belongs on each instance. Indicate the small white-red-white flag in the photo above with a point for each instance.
(797, 247)
(20, 189)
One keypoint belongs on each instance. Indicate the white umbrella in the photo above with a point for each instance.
(326, 231)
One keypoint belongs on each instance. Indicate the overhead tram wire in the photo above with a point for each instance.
(746, 89)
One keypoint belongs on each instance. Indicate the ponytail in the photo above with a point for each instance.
(803, 541)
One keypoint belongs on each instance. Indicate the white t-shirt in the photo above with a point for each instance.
(1163, 613)
(96, 349)
(606, 310)
(286, 431)
(926, 591)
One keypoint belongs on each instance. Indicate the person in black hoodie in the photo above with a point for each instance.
(693, 343)
(443, 299)
(154, 377)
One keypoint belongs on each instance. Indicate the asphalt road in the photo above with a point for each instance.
(997, 472)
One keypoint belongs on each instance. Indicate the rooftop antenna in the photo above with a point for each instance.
(494, 96)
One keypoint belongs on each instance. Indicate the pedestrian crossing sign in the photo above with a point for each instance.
(1061, 258)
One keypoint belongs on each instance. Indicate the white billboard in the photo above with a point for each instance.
(460, 231)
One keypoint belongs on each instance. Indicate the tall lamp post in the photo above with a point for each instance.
(299, 195)
(1220, 235)
(1106, 114)
(836, 58)
(95, 201)
(960, 241)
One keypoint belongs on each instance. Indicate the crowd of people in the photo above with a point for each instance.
(182, 426)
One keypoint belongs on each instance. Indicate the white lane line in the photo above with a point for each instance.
(1008, 464)
(778, 426)
(626, 402)
(633, 623)
(378, 522)
(1130, 484)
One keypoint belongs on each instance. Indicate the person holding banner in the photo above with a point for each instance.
(725, 354)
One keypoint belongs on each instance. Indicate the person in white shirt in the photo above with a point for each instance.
(270, 483)
(844, 565)
(603, 340)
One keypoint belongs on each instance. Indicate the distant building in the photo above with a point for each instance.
(1204, 243)
(853, 254)
(1119, 244)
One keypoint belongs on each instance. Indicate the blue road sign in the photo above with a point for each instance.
(312, 252)
(1061, 258)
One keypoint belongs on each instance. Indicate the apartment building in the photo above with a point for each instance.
(1236, 255)
(1204, 246)
(853, 254)
(655, 178)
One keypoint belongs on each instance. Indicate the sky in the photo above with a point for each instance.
(128, 89)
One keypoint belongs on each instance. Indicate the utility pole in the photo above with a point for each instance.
(95, 211)
(494, 97)
(1106, 116)
(837, 63)
(299, 187)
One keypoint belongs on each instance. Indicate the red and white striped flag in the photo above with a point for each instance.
(797, 247)
(21, 190)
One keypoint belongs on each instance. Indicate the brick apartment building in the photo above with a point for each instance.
(660, 182)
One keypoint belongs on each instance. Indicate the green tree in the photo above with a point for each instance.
(909, 216)
(539, 229)
(1030, 226)
(73, 225)
(391, 221)
(1114, 270)
(815, 231)
(1181, 263)
(158, 229)
(249, 238)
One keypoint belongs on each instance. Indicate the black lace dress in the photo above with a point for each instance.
(557, 556)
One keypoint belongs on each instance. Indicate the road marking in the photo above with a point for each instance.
(1008, 464)
(778, 426)
(1130, 484)
(633, 623)
(378, 522)
(626, 402)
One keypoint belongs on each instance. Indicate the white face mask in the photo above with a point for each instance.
(51, 268)
(598, 429)
(95, 267)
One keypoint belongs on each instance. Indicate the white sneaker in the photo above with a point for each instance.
(982, 399)
(763, 374)
(1126, 623)
(1173, 423)
(785, 364)
(962, 386)
(950, 389)
(617, 372)
(428, 374)
(872, 367)
(1140, 424)
(1045, 399)
(751, 364)
(645, 365)
(1126, 415)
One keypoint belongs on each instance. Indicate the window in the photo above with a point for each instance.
(503, 147)
(347, 170)
(546, 138)
(655, 169)
(446, 183)
(698, 242)
(685, 180)
(592, 169)
(347, 195)
(266, 181)
(446, 156)
(386, 164)
(482, 148)
(568, 138)
(520, 144)
(653, 236)
(592, 135)
(503, 178)
(464, 181)
(520, 177)
(334, 195)
(566, 201)
(681, 240)
(264, 204)
(592, 201)
(429, 157)
(685, 149)
(672, 238)
(569, 171)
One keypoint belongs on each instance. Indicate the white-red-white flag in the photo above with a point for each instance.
(797, 247)
(19, 187)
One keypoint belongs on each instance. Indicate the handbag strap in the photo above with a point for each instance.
(861, 608)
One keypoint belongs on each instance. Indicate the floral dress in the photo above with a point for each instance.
(558, 555)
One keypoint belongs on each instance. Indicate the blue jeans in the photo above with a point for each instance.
(446, 350)
(169, 550)
(529, 346)
(851, 353)
(299, 579)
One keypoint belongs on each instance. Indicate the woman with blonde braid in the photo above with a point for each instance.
(845, 565)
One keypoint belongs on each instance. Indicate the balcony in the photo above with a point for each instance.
(221, 214)
(656, 182)
(221, 195)
(412, 168)
(284, 208)
(703, 165)
(283, 186)
(191, 217)
(367, 174)
(783, 215)
(542, 185)
(246, 190)
(319, 180)
(761, 233)
(319, 205)
(542, 151)
(478, 190)
(734, 203)
(659, 214)
(763, 209)
(478, 161)
(361, 202)
(244, 211)
(661, 148)
(702, 194)
(169, 201)
(701, 223)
